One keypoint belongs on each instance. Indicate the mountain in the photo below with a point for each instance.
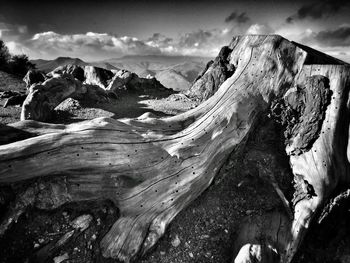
(173, 79)
(49, 65)
(174, 72)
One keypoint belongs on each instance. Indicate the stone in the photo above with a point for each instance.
(34, 77)
(97, 76)
(82, 222)
(214, 74)
(176, 241)
(61, 258)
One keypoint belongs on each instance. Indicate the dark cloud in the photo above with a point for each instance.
(318, 10)
(159, 39)
(235, 17)
(191, 39)
(339, 37)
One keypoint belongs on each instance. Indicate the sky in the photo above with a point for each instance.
(98, 30)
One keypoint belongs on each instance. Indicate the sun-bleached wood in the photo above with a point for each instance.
(152, 168)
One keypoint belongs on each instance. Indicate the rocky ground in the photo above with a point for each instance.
(203, 232)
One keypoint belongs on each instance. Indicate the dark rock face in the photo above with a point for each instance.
(97, 76)
(302, 111)
(74, 70)
(15, 100)
(33, 77)
(211, 78)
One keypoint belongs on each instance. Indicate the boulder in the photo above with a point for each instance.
(125, 80)
(74, 70)
(34, 77)
(214, 74)
(97, 76)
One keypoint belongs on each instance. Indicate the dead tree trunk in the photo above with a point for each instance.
(152, 168)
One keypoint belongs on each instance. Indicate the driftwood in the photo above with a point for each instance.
(152, 168)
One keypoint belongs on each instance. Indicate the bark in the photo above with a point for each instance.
(152, 168)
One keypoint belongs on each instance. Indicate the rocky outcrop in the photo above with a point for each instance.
(34, 77)
(97, 76)
(43, 98)
(74, 70)
(214, 74)
(125, 80)
(87, 83)
(12, 98)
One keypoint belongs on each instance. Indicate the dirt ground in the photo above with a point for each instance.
(203, 232)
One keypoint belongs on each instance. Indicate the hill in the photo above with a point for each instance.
(49, 65)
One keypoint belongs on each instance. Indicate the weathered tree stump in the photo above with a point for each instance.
(152, 168)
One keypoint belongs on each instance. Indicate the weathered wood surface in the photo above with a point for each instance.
(152, 168)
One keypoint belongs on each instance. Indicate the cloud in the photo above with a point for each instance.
(204, 42)
(260, 29)
(318, 10)
(339, 37)
(12, 31)
(96, 46)
(159, 40)
(89, 45)
(238, 18)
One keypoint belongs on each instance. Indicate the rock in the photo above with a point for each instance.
(147, 115)
(176, 241)
(34, 77)
(256, 253)
(76, 71)
(82, 222)
(240, 184)
(162, 253)
(191, 255)
(69, 104)
(97, 76)
(63, 240)
(8, 94)
(61, 258)
(125, 80)
(15, 100)
(211, 78)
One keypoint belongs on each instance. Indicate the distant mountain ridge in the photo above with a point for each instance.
(49, 65)
(175, 72)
